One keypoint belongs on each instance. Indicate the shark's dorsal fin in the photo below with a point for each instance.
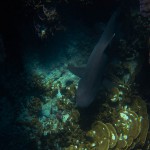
(78, 71)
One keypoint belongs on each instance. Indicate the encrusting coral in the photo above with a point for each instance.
(128, 129)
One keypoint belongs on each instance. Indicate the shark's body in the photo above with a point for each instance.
(92, 74)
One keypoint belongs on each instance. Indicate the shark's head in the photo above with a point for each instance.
(84, 97)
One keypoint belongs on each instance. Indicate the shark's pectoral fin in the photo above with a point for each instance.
(78, 71)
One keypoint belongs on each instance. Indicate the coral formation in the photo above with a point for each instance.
(128, 129)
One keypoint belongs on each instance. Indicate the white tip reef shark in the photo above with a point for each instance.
(92, 75)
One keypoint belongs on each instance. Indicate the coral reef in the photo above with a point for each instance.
(127, 130)
(121, 122)
(48, 17)
(51, 116)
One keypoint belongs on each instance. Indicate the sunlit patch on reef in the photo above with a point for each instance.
(53, 116)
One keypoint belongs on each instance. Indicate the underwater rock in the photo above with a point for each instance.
(145, 8)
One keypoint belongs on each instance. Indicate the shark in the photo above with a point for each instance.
(91, 76)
